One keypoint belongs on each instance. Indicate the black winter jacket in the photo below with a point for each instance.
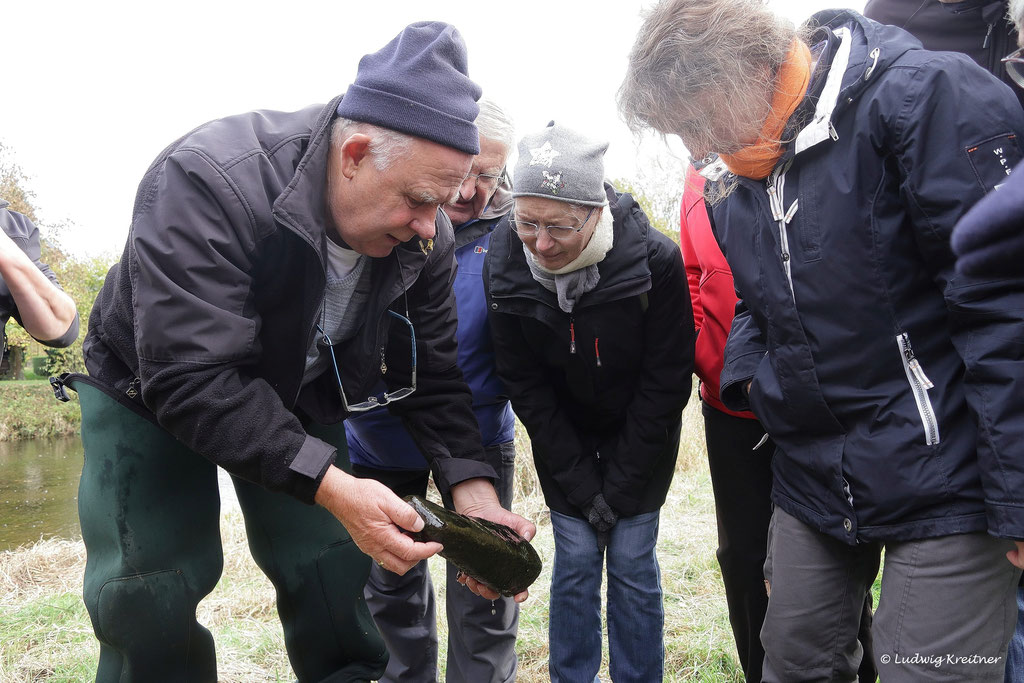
(893, 387)
(603, 413)
(979, 29)
(214, 305)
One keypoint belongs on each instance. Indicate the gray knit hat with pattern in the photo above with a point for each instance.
(559, 163)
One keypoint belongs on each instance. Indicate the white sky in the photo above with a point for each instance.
(94, 90)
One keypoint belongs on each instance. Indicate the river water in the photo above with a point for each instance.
(39, 490)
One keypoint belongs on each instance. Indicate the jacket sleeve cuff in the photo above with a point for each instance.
(1005, 521)
(66, 339)
(736, 374)
(311, 463)
(623, 504)
(584, 493)
(451, 471)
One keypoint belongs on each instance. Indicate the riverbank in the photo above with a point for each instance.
(45, 632)
(28, 410)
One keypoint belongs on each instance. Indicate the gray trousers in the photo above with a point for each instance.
(946, 611)
(481, 634)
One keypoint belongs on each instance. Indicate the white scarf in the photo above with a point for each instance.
(580, 275)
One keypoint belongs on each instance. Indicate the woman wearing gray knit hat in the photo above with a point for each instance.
(593, 337)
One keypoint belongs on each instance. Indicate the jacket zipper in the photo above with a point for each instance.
(776, 184)
(919, 385)
(134, 387)
(311, 332)
(597, 352)
(572, 334)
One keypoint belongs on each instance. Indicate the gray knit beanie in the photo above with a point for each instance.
(559, 163)
(418, 84)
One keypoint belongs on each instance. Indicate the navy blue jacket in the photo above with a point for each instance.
(893, 387)
(376, 438)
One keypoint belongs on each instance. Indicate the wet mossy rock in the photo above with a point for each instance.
(491, 553)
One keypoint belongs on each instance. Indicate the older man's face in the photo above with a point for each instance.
(375, 211)
(475, 192)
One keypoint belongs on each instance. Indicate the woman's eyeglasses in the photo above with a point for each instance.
(555, 232)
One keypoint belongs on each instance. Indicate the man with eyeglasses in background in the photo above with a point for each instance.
(481, 632)
(279, 265)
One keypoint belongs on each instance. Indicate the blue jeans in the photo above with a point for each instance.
(636, 617)
(1015, 655)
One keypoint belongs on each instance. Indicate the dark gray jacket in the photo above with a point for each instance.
(214, 305)
(25, 234)
(979, 29)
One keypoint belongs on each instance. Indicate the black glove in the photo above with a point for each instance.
(600, 514)
(602, 518)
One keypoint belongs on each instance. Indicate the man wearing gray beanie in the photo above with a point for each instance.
(593, 338)
(279, 266)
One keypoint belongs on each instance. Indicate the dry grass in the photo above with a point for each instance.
(45, 632)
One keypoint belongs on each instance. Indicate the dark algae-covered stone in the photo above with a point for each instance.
(491, 553)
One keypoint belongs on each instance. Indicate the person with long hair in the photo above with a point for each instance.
(889, 382)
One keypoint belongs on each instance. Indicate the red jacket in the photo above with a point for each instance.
(711, 289)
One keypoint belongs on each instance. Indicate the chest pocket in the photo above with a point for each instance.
(994, 159)
(808, 223)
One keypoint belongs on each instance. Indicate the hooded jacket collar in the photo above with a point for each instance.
(501, 202)
(858, 51)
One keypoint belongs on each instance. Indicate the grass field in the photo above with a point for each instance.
(28, 410)
(45, 632)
